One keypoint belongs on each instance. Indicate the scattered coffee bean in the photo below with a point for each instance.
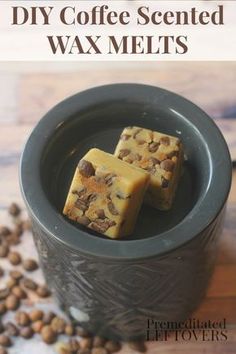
(37, 326)
(69, 330)
(48, 317)
(112, 346)
(11, 329)
(14, 258)
(3, 308)
(13, 239)
(26, 332)
(73, 345)
(48, 335)
(14, 209)
(18, 230)
(16, 274)
(138, 346)
(167, 165)
(30, 265)
(4, 231)
(11, 283)
(29, 284)
(99, 350)
(58, 324)
(123, 153)
(19, 292)
(4, 293)
(22, 318)
(4, 250)
(82, 332)
(86, 169)
(12, 302)
(165, 140)
(43, 291)
(140, 142)
(5, 341)
(86, 343)
(36, 315)
(1, 272)
(98, 341)
(3, 350)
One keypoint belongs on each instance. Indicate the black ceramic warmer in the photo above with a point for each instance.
(112, 287)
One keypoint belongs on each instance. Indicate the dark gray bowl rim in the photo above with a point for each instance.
(56, 226)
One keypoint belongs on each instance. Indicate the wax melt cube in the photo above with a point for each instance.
(106, 194)
(159, 154)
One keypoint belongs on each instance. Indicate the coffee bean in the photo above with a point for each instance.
(125, 137)
(73, 345)
(69, 330)
(11, 283)
(18, 230)
(82, 332)
(29, 284)
(101, 214)
(16, 274)
(153, 146)
(4, 293)
(80, 204)
(5, 341)
(58, 324)
(112, 209)
(14, 209)
(12, 303)
(4, 250)
(123, 153)
(48, 335)
(86, 343)
(98, 341)
(3, 308)
(43, 291)
(1, 272)
(165, 140)
(167, 165)
(140, 142)
(164, 182)
(30, 265)
(14, 258)
(48, 317)
(37, 326)
(11, 329)
(86, 169)
(26, 332)
(138, 346)
(22, 318)
(99, 350)
(36, 315)
(4, 231)
(83, 220)
(19, 292)
(112, 346)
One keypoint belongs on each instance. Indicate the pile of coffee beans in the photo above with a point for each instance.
(28, 323)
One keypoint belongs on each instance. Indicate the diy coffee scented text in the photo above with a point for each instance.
(104, 15)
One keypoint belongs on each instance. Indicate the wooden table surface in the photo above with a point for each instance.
(26, 96)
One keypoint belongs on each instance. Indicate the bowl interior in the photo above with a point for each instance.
(100, 125)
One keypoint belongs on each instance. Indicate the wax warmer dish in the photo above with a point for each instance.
(112, 287)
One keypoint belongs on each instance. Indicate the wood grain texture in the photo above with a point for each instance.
(28, 96)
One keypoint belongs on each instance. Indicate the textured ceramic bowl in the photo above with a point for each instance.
(161, 271)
